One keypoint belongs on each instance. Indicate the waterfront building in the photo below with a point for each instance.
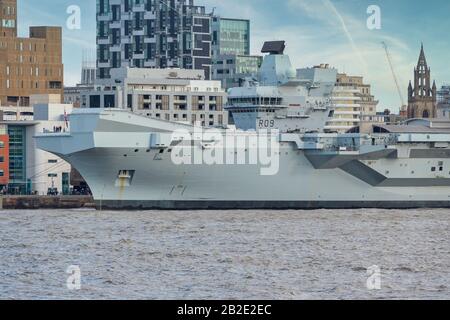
(179, 95)
(443, 102)
(232, 62)
(28, 65)
(368, 105)
(25, 169)
(347, 113)
(388, 118)
(4, 156)
(422, 97)
(72, 95)
(18, 113)
(152, 34)
(367, 102)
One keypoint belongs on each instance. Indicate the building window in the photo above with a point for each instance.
(109, 101)
(55, 84)
(94, 101)
(2, 173)
(52, 175)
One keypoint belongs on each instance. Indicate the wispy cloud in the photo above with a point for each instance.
(82, 43)
(353, 48)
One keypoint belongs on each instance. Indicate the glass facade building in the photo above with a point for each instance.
(17, 160)
(230, 36)
(232, 62)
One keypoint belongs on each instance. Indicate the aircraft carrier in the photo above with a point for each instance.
(278, 155)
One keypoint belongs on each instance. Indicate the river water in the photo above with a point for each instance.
(226, 254)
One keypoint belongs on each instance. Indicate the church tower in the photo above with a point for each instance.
(423, 96)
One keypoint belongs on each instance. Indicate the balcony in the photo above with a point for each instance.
(347, 105)
(139, 7)
(149, 15)
(104, 64)
(356, 113)
(180, 99)
(139, 31)
(104, 40)
(115, 25)
(346, 98)
(346, 120)
(104, 16)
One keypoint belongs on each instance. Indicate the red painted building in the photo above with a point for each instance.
(4, 159)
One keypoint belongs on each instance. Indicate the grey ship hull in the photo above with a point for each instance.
(263, 205)
(103, 143)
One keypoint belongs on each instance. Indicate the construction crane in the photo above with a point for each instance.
(388, 55)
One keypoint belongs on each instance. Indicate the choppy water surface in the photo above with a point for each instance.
(225, 255)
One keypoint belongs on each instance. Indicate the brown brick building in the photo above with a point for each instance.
(28, 65)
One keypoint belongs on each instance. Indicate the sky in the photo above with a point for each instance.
(316, 31)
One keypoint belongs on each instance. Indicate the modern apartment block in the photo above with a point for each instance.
(367, 102)
(347, 113)
(232, 61)
(178, 95)
(152, 34)
(28, 65)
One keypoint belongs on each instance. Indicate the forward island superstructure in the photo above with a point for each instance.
(278, 154)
